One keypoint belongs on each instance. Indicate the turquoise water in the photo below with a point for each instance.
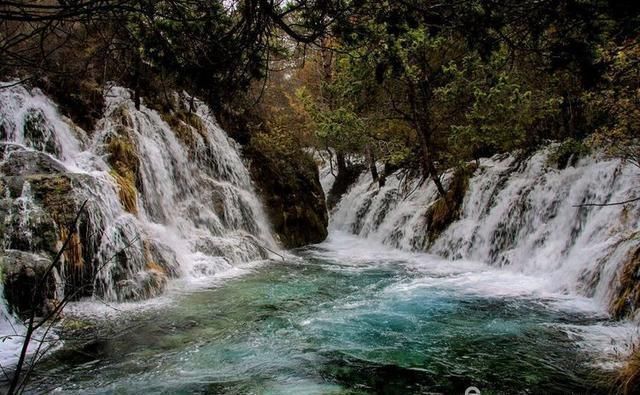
(341, 317)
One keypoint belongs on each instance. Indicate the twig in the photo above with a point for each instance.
(607, 204)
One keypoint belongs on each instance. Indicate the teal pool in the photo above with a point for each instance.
(340, 318)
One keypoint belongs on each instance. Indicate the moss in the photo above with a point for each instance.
(75, 324)
(123, 156)
(567, 153)
(627, 297)
(125, 165)
(628, 379)
(184, 124)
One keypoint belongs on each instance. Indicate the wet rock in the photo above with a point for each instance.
(161, 257)
(292, 196)
(25, 285)
(38, 134)
(37, 211)
(25, 163)
(146, 284)
(344, 180)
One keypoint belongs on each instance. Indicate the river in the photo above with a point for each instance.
(345, 316)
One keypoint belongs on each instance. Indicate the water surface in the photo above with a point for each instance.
(342, 317)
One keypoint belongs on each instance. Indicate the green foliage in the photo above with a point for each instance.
(340, 128)
(615, 107)
(472, 79)
(489, 108)
(567, 153)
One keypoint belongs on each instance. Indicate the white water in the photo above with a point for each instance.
(516, 215)
(176, 225)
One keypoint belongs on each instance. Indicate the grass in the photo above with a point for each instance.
(628, 380)
(125, 166)
(627, 297)
(126, 191)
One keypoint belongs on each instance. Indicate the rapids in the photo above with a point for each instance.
(521, 214)
(345, 316)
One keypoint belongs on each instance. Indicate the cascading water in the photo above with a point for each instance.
(192, 211)
(168, 196)
(520, 214)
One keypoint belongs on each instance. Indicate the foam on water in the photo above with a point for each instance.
(607, 344)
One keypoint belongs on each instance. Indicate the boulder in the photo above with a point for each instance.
(25, 285)
(292, 195)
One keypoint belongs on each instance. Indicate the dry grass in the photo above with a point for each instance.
(125, 165)
(73, 253)
(126, 191)
(628, 379)
(627, 298)
(155, 267)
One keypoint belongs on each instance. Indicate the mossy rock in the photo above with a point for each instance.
(125, 165)
(146, 284)
(25, 286)
(161, 258)
(293, 198)
(447, 209)
(187, 126)
(55, 201)
(38, 133)
(25, 163)
(628, 377)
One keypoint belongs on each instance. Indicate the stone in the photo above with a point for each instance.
(292, 195)
(25, 287)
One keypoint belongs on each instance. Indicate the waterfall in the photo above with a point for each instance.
(519, 214)
(162, 200)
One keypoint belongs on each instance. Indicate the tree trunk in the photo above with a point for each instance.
(342, 164)
(372, 163)
(136, 83)
(421, 123)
